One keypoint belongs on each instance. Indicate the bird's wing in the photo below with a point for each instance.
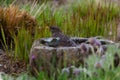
(63, 36)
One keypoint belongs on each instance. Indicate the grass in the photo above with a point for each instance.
(81, 19)
(23, 42)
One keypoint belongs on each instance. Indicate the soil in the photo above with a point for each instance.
(10, 66)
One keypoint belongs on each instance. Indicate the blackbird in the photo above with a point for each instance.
(65, 41)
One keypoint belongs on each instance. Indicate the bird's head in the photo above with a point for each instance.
(54, 29)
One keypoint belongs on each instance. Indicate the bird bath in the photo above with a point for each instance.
(43, 57)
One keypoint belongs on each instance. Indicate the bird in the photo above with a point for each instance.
(64, 41)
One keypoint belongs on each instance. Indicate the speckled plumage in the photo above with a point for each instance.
(64, 39)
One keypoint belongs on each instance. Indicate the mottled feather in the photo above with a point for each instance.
(64, 39)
